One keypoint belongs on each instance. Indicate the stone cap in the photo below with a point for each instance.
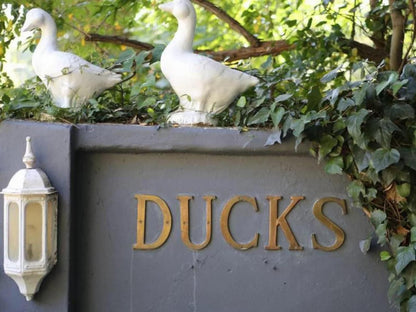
(29, 180)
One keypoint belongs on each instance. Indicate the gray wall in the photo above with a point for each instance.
(98, 269)
(52, 147)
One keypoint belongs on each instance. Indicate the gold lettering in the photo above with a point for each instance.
(225, 216)
(184, 206)
(141, 222)
(275, 221)
(339, 233)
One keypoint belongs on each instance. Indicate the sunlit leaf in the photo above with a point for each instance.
(332, 75)
(334, 165)
(327, 143)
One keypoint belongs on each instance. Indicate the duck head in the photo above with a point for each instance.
(35, 18)
(178, 8)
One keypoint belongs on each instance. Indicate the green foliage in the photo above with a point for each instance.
(359, 117)
(145, 101)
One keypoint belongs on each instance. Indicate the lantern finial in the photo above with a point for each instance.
(29, 158)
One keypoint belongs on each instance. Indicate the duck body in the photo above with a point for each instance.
(204, 86)
(70, 79)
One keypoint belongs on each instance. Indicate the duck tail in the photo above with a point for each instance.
(114, 79)
(253, 81)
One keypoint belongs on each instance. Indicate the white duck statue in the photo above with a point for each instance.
(204, 86)
(70, 79)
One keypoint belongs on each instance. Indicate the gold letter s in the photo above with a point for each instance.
(339, 233)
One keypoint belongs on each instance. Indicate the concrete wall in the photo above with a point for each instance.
(52, 147)
(99, 169)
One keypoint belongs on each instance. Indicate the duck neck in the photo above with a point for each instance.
(184, 36)
(48, 37)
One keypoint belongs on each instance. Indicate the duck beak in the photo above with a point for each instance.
(167, 7)
(26, 27)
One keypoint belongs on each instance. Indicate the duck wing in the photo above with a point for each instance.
(210, 85)
(57, 64)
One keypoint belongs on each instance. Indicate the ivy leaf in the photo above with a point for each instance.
(371, 194)
(157, 52)
(384, 84)
(405, 255)
(377, 217)
(126, 55)
(327, 143)
(385, 255)
(381, 232)
(372, 175)
(287, 124)
(333, 95)
(413, 234)
(274, 138)
(299, 140)
(411, 304)
(355, 188)
(396, 287)
(140, 58)
(291, 23)
(361, 157)
(398, 85)
(365, 245)
(409, 275)
(359, 95)
(403, 189)
(343, 104)
(339, 125)
(382, 158)
(146, 103)
(395, 241)
(277, 116)
(283, 97)
(385, 132)
(362, 141)
(314, 98)
(297, 125)
(150, 82)
(409, 156)
(332, 75)
(242, 101)
(400, 112)
(260, 117)
(355, 121)
(335, 165)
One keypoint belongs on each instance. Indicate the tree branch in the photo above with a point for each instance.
(397, 37)
(412, 41)
(119, 40)
(235, 25)
(375, 55)
(265, 48)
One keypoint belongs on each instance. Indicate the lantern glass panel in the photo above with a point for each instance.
(13, 250)
(50, 226)
(33, 232)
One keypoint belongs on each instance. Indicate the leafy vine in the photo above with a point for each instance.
(360, 117)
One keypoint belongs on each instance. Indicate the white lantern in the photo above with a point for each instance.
(30, 226)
